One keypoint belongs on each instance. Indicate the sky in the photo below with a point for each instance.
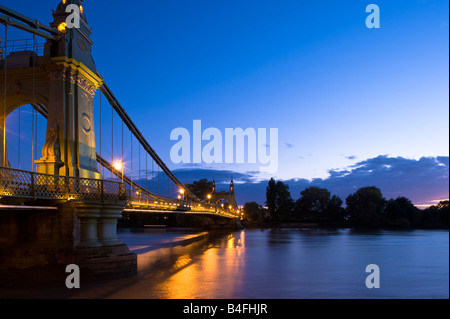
(353, 106)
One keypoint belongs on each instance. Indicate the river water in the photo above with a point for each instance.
(283, 263)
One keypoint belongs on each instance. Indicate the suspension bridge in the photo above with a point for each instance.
(62, 191)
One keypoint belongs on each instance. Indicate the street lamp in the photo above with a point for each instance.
(118, 166)
(182, 192)
(209, 198)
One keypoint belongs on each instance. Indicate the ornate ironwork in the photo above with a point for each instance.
(25, 184)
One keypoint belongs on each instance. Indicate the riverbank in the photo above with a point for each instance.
(336, 225)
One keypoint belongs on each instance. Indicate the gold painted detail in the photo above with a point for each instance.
(64, 68)
(75, 79)
(51, 147)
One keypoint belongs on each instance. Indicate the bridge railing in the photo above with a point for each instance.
(24, 184)
(138, 200)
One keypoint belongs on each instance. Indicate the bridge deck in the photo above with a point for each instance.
(43, 191)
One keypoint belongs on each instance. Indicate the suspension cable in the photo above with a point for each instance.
(34, 117)
(134, 130)
(4, 103)
(146, 171)
(32, 138)
(100, 116)
(18, 142)
(112, 138)
(153, 176)
(131, 164)
(122, 163)
(139, 165)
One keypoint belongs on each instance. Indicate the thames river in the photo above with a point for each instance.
(282, 263)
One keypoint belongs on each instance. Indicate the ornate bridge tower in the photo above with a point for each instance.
(64, 80)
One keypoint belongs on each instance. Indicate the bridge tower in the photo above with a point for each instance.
(64, 80)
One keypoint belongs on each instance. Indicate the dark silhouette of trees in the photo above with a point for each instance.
(334, 211)
(436, 216)
(401, 212)
(254, 212)
(316, 205)
(201, 188)
(366, 206)
(271, 196)
(279, 201)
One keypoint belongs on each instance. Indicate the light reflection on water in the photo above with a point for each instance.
(286, 263)
(218, 269)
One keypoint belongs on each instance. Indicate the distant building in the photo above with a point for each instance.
(226, 198)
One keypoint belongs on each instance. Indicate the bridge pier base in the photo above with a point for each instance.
(88, 216)
(99, 251)
(78, 233)
(107, 225)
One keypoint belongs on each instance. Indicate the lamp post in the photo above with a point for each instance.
(182, 192)
(118, 166)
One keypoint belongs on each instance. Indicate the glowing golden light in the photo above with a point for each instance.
(81, 9)
(118, 165)
(181, 191)
(62, 27)
(64, 1)
(209, 196)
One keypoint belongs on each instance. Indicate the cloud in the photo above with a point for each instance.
(187, 175)
(289, 145)
(351, 157)
(420, 180)
(423, 180)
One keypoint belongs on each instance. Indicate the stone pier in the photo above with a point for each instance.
(75, 233)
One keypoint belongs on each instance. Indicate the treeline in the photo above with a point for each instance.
(365, 208)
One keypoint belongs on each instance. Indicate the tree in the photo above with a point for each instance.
(443, 208)
(401, 212)
(278, 200)
(284, 201)
(312, 204)
(254, 212)
(334, 211)
(271, 196)
(201, 188)
(366, 206)
(316, 205)
(436, 215)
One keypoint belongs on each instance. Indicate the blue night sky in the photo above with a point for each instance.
(353, 106)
